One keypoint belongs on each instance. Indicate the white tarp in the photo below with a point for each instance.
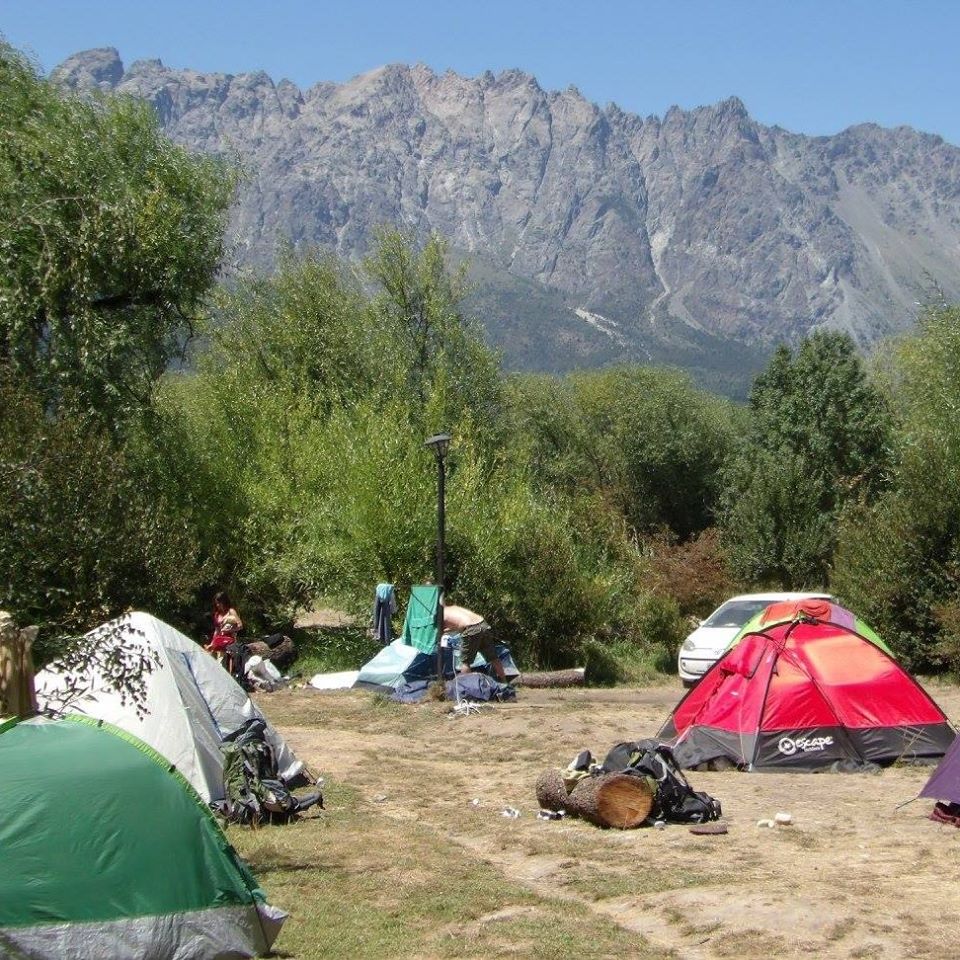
(191, 703)
(342, 680)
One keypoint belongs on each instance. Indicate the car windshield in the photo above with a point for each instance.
(736, 613)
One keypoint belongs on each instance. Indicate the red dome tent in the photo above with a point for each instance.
(802, 690)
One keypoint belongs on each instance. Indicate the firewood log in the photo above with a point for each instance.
(552, 678)
(551, 790)
(612, 800)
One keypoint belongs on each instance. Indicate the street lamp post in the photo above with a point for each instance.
(440, 444)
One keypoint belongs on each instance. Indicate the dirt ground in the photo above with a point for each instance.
(856, 875)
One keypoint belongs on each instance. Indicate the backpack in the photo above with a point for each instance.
(675, 801)
(254, 791)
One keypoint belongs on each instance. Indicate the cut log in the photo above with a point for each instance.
(551, 790)
(281, 654)
(552, 678)
(612, 800)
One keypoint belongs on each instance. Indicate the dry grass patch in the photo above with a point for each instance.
(357, 884)
(600, 882)
(404, 864)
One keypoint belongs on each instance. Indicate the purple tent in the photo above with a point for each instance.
(944, 784)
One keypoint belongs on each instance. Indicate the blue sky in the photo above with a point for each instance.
(813, 66)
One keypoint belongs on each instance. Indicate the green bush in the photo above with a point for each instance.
(603, 668)
(85, 531)
(660, 623)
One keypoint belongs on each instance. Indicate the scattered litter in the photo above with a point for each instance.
(766, 824)
(783, 818)
(380, 798)
(511, 812)
(660, 825)
(551, 814)
(709, 829)
(475, 802)
(465, 708)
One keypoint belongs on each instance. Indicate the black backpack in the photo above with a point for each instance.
(675, 800)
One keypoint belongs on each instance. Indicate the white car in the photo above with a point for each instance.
(707, 643)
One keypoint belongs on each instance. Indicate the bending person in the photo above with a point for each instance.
(477, 638)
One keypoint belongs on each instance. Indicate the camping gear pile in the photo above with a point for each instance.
(639, 783)
(254, 794)
(806, 686)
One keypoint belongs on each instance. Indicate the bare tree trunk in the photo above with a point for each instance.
(18, 697)
(552, 678)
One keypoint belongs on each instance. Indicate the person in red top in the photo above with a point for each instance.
(226, 624)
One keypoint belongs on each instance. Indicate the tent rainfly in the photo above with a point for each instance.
(108, 852)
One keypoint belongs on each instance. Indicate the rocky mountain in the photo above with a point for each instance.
(700, 238)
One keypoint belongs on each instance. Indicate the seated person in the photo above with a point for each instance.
(226, 624)
(477, 638)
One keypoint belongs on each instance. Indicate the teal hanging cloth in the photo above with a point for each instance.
(420, 625)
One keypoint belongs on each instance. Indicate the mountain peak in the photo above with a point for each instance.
(703, 236)
(101, 68)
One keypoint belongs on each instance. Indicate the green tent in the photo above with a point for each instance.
(107, 851)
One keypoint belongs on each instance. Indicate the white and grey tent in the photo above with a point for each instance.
(191, 703)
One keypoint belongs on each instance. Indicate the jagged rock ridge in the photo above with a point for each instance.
(702, 236)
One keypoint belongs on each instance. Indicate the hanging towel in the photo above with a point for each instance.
(420, 629)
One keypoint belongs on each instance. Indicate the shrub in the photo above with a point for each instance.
(695, 573)
(660, 623)
(602, 665)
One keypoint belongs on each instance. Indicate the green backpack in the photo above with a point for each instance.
(254, 791)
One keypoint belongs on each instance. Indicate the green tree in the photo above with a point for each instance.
(819, 440)
(821, 405)
(899, 561)
(646, 440)
(303, 395)
(110, 237)
(450, 372)
(85, 530)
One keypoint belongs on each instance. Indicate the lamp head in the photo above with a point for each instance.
(440, 443)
